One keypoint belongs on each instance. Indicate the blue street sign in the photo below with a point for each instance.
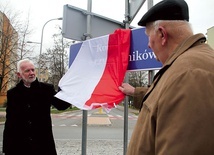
(140, 58)
(74, 49)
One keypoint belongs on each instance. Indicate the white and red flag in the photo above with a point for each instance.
(96, 72)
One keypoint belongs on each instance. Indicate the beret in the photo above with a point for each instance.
(166, 10)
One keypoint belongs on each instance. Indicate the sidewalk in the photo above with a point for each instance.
(94, 147)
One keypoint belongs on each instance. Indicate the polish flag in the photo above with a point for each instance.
(96, 72)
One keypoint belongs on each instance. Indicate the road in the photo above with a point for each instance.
(104, 131)
(101, 125)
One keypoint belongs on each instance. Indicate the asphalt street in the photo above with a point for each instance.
(108, 146)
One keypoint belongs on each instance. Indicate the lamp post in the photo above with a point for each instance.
(32, 42)
(42, 42)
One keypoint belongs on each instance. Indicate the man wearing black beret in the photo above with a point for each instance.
(177, 111)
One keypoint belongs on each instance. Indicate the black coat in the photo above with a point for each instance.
(28, 126)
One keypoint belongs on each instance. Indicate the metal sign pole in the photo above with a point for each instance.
(125, 132)
(151, 72)
(84, 132)
(85, 112)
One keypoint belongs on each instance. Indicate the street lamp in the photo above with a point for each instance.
(32, 42)
(42, 42)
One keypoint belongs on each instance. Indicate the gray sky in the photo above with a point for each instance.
(40, 11)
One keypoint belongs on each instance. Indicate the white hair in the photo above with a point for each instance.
(20, 62)
(156, 23)
(178, 29)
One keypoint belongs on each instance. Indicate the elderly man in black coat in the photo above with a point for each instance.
(28, 127)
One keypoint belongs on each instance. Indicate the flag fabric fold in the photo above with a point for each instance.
(96, 72)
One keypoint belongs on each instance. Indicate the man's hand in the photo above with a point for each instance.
(127, 89)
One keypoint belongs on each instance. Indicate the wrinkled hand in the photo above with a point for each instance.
(127, 89)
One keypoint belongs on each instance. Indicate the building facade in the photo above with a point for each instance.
(210, 36)
(8, 47)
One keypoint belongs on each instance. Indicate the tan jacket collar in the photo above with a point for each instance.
(185, 45)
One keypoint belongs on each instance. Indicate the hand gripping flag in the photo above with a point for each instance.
(96, 72)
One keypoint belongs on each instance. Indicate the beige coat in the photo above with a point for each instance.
(177, 117)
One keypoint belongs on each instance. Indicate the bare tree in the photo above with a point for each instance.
(137, 79)
(13, 34)
(55, 60)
